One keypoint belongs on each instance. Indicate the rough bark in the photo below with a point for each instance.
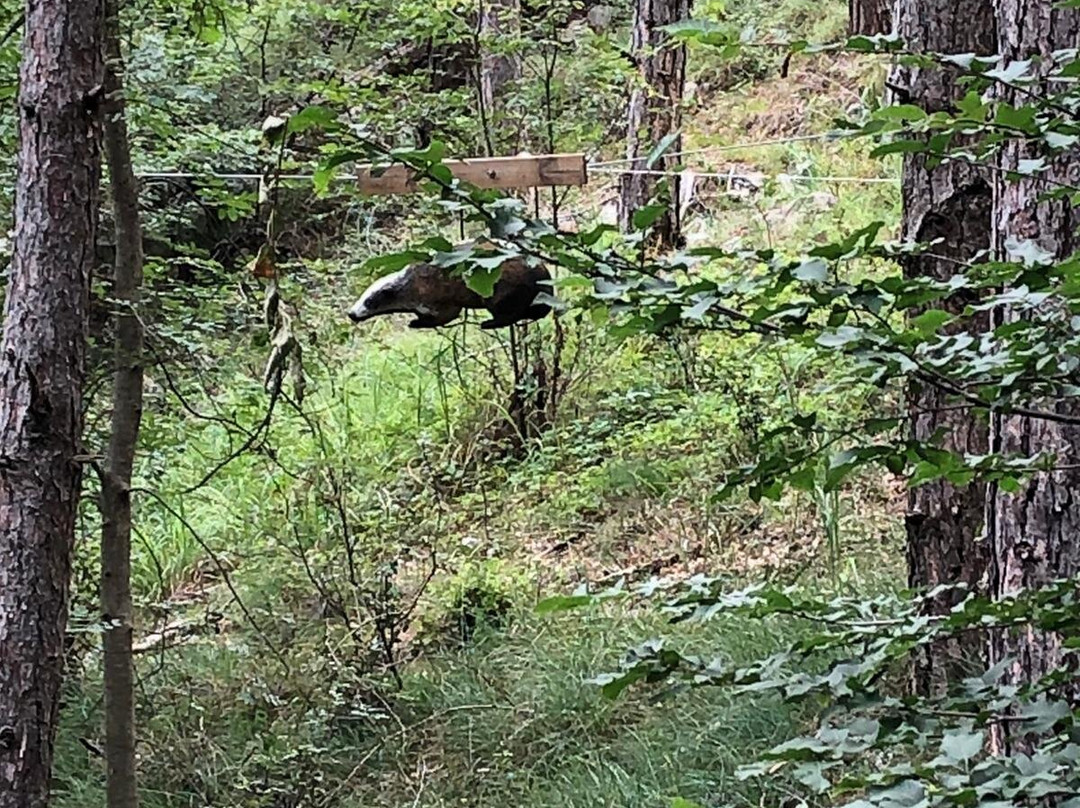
(872, 17)
(1033, 532)
(42, 355)
(499, 20)
(654, 112)
(951, 202)
(126, 416)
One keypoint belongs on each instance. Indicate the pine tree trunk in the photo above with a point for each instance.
(500, 20)
(654, 112)
(126, 416)
(41, 377)
(951, 202)
(873, 17)
(1034, 531)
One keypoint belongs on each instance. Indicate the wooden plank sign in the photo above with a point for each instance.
(525, 171)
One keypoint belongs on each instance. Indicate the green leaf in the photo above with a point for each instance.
(699, 309)
(391, 262)
(809, 774)
(311, 117)
(326, 170)
(612, 685)
(931, 321)
(707, 32)
(1041, 715)
(482, 280)
(899, 147)
(1022, 118)
(647, 216)
(972, 106)
(563, 603)
(434, 153)
(1029, 167)
(813, 269)
(660, 149)
(960, 745)
(1027, 251)
(901, 112)
(876, 426)
(842, 336)
(804, 479)
(1012, 71)
(679, 802)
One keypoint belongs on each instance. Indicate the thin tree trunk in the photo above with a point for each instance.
(654, 112)
(121, 789)
(951, 202)
(1034, 531)
(42, 357)
(499, 20)
(872, 17)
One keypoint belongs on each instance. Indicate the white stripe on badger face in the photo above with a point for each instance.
(363, 309)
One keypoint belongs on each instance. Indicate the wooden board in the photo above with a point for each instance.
(493, 172)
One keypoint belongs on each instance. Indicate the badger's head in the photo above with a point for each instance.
(385, 296)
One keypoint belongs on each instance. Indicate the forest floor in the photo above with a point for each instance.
(379, 506)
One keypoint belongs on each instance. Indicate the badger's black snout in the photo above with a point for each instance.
(354, 316)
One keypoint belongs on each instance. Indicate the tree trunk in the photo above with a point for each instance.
(873, 17)
(41, 376)
(499, 21)
(126, 415)
(951, 202)
(1034, 531)
(655, 111)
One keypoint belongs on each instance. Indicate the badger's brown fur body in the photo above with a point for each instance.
(437, 298)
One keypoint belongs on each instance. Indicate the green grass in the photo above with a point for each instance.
(509, 719)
